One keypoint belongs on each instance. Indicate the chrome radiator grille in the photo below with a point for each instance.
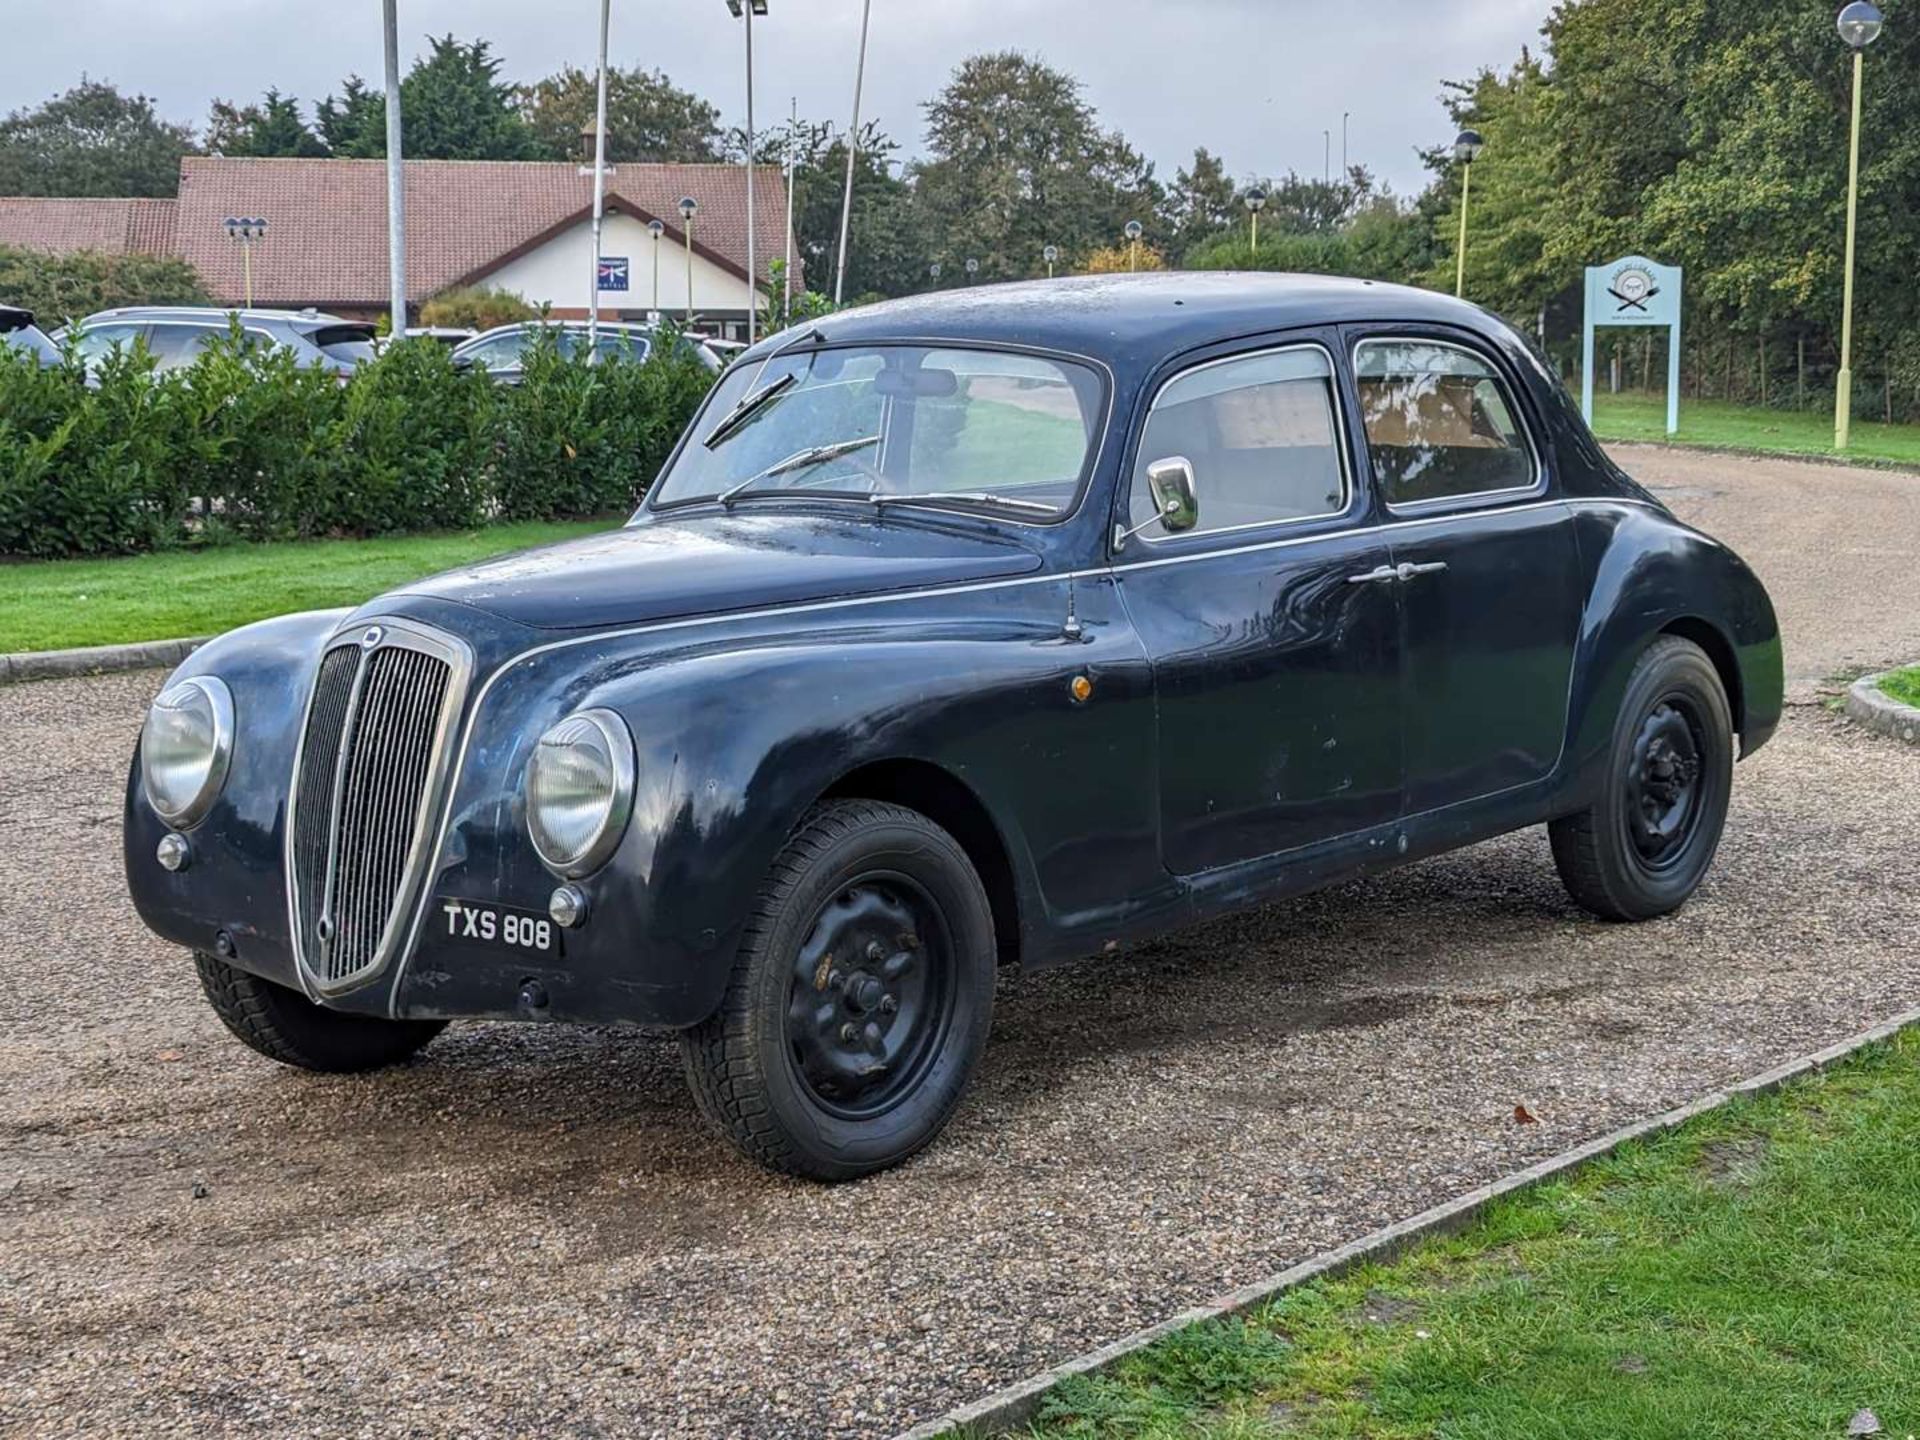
(369, 765)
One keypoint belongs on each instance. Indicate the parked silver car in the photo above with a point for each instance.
(501, 351)
(176, 334)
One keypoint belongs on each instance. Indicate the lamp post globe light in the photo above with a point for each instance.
(1467, 146)
(1051, 255)
(1133, 232)
(1859, 24)
(243, 230)
(689, 207)
(1256, 202)
(933, 272)
(973, 269)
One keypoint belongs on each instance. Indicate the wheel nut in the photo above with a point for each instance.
(849, 1034)
(875, 951)
(888, 1004)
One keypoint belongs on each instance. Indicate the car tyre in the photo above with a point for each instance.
(859, 999)
(1644, 846)
(284, 1025)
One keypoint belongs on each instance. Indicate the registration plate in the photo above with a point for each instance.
(499, 927)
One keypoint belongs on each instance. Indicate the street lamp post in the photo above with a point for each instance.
(599, 181)
(656, 229)
(243, 231)
(1256, 202)
(396, 175)
(853, 148)
(1134, 231)
(1467, 146)
(749, 9)
(1860, 24)
(973, 269)
(689, 207)
(1051, 255)
(933, 272)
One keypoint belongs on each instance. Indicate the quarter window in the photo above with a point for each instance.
(1261, 434)
(1439, 423)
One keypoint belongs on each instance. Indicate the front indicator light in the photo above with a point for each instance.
(568, 907)
(173, 852)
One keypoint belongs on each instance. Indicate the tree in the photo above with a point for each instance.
(1202, 202)
(91, 140)
(355, 125)
(886, 254)
(478, 307)
(649, 118)
(1018, 161)
(453, 106)
(58, 288)
(274, 127)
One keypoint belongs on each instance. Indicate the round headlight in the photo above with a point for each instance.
(185, 747)
(580, 792)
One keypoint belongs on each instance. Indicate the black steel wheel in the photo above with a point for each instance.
(859, 1000)
(1644, 846)
(284, 1025)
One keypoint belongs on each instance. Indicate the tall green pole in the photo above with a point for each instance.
(1460, 257)
(1843, 390)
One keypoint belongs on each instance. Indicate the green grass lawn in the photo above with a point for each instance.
(1903, 685)
(1742, 427)
(54, 604)
(1753, 1274)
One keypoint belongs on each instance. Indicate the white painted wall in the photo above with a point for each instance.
(557, 273)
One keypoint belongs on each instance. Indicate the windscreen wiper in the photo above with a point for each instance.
(749, 406)
(803, 460)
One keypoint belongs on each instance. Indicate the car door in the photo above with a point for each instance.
(96, 342)
(1487, 562)
(1276, 675)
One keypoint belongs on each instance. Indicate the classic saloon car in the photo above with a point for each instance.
(1013, 624)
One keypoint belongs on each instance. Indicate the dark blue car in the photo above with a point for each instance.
(1014, 624)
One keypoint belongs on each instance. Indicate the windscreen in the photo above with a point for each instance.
(968, 427)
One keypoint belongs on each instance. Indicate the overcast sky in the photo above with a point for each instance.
(1256, 81)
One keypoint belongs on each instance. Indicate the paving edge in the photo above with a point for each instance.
(1019, 1402)
(96, 659)
(1869, 705)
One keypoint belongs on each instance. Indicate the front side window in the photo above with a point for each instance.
(1439, 423)
(1261, 434)
(995, 430)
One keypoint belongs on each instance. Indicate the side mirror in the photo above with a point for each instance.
(1170, 482)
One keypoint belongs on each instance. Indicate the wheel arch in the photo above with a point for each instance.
(948, 801)
(1719, 649)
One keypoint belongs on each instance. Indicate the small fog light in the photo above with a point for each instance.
(568, 907)
(173, 852)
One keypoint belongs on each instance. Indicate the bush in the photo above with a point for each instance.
(245, 443)
(59, 288)
(476, 308)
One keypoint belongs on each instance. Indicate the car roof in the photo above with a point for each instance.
(1137, 318)
(219, 313)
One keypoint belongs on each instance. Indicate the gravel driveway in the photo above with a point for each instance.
(530, 1230)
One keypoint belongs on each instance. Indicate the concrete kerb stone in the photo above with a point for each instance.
(96, 659)
(1869, 705)
(1019, 1402)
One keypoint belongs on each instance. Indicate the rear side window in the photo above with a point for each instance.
(1440, 423)
(1261, 435)
(176, 345)
(349, 344)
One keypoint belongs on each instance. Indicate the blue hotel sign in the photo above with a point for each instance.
(614, 270)
(1633, 291)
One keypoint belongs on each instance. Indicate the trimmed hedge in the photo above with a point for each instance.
(244, 443)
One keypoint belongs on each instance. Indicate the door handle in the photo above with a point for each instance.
(1406, 570)
(1379, 575)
